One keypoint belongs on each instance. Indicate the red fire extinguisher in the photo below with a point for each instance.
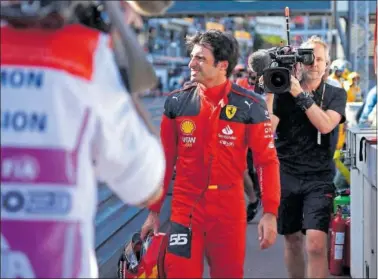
(329, 236)
(347, 243)
(337, 244)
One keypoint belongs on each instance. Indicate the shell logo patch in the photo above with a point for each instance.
(187, 127)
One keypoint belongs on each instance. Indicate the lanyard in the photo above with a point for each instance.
(319, 137)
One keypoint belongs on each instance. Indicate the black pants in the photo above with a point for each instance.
(305, 204)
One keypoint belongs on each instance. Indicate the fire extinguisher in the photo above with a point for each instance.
(329, 236)
(347, 243)
(337, 244)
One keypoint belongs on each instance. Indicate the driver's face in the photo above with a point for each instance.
(202, 65)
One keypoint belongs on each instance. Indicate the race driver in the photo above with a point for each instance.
(63, 107)
(206, 129)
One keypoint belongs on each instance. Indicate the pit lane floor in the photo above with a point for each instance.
(261, 263)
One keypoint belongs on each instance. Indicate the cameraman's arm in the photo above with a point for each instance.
(324, 121)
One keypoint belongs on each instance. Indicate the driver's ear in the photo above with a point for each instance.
(223, 65)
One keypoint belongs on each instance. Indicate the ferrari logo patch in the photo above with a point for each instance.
(230, 111)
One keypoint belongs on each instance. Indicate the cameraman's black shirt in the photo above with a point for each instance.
(296, 143)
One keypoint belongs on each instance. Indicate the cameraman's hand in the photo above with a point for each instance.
(296, 88)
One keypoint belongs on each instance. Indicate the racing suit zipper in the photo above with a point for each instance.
(210, 162)
(201, 195)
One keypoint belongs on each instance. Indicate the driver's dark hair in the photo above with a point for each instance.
(223, 45)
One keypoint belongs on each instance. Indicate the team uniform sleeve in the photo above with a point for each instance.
(127, 156)
(261, 142)
(168, 136)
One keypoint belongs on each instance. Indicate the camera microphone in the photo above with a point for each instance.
(260, 60)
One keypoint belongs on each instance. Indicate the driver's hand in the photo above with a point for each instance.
(267, 230)
(152, 223)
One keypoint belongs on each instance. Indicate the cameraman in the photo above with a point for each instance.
(305, 122)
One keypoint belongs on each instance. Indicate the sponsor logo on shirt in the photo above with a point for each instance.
(22, 121)
(268, 132)
(24, 168)
(249, 104)
(227, 130)
(267, 114)
(35, 201)
(187, 128)
(227, 138)
(15, 263)
(21, 78)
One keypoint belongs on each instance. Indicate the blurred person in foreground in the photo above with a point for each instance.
(206, 130)
(78, 123)
(305, 120)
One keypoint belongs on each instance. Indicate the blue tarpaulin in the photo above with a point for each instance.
(247, 7)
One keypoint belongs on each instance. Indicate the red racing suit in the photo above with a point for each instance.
(206, 133)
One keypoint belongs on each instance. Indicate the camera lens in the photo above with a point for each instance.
(278, 79)
(308, 59)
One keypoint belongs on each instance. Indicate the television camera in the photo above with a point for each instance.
(277, 73)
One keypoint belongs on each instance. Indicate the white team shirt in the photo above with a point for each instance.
(54, 124)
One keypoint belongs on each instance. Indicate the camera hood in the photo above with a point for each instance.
(277, 80)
